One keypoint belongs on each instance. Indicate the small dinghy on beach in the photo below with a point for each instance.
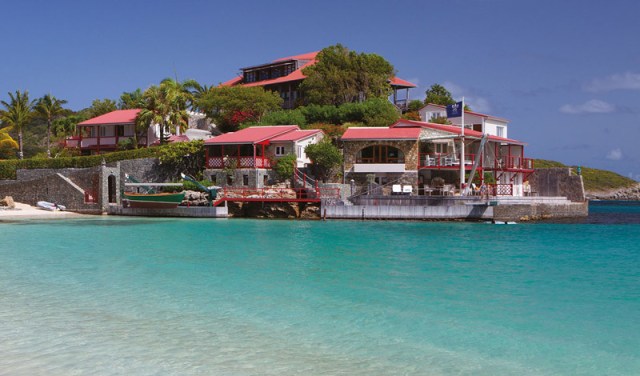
(50, 206)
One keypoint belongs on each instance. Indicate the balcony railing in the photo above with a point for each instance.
(442, 160)
(238, 162)
(94, 142)
(380, 160)
(513, 163)
(500, 189)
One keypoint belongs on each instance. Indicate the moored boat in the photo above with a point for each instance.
(50, 206)
(153, 200)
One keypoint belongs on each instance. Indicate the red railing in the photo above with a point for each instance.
(500, 189)
(513, 163)
(440, 160)
(238, 162)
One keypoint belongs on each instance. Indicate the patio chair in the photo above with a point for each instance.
(407, 190)
(396, 189)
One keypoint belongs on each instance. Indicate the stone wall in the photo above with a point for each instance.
(557, 182)
(408, 147)
(83, 189)
(540, 211)
(256, 177)
(68, 190)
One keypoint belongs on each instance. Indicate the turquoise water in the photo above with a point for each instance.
(111, 296)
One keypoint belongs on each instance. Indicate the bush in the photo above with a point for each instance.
(284, 117)
(8, 167)
(285, 166)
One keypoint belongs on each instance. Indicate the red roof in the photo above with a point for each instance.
(252, 135)
(296, 135)
(410, 124)
(378, 133)
(297, 75)
(114, 117)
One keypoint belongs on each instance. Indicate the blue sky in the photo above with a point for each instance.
(565, 73)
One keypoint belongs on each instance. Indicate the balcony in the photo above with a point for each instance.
(511, 163)
(445, 161)
(238, 162)
(94, 142)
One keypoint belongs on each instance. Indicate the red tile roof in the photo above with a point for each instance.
(410, 124)
(297, 74)
(296, 135)
(378, 133)
(252, 135)
(114, 117)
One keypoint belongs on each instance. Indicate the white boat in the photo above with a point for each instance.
(50, 206)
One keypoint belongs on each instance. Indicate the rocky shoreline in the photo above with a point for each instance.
(624, 194)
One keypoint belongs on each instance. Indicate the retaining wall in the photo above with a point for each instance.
(557, 182)
(466, 212)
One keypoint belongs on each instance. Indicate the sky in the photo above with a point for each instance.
(565, 73)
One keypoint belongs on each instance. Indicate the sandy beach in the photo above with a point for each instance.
(24, 211)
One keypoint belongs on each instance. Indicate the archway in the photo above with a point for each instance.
(111, 186)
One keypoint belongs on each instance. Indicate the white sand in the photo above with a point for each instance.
(24, 211)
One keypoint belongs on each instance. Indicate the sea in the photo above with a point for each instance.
(142, 296)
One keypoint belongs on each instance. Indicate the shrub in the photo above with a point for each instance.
(285, 166)
(284, 117)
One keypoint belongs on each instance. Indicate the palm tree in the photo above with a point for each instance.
(165, 105)
(131, 100)
(49, 107)
(17, 113)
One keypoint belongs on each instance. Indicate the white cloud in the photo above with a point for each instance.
(624, 81)
(474, 101)
(594, 106)
(615, 154)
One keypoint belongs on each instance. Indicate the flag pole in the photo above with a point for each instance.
(462, 165)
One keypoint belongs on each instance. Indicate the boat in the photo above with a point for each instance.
(153, 200)
(50, 206)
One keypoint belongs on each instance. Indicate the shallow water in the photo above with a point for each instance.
(112, 296)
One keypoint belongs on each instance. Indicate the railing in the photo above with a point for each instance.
(87, 142)
(388, 160)
(238, 162)
(500, 189)
(439, 160)
(511, 162)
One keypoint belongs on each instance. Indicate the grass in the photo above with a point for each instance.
(594, 179)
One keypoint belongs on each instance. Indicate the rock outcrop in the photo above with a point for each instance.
(8, 202)
(624, 194)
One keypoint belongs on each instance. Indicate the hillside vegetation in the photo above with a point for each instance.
(594, 179)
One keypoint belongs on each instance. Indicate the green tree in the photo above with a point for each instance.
(438, 94)
(343, 76)
(284, 117)
(101, 107)
(325, 157)
(165, 105)
(17, 113)
(231, 106)
(49, 108)
(131, 100)
(285, 165)
(415, 105)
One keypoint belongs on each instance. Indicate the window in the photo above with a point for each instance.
(380, 154)
(245, 180)
(500, 131)
(441, 148)
(279, 151)
(300, 151)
